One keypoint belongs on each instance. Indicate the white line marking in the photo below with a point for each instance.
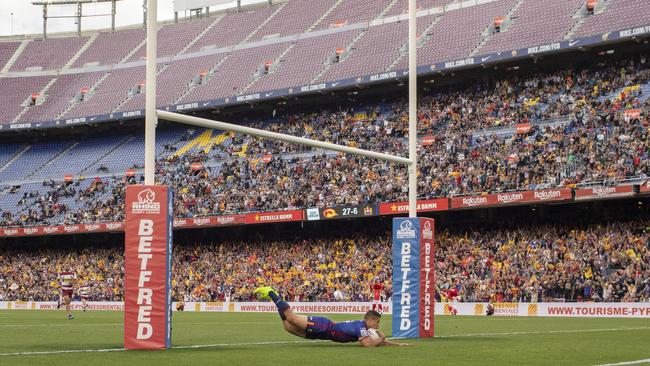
(75, 324)
(214, 345)
(637, 362)
(174, 347)
(543, 332)
(63, 351)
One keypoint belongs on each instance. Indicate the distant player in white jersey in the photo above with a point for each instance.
(84, 292)
(66, 279)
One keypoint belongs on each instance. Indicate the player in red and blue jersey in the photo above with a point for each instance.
(316, 327)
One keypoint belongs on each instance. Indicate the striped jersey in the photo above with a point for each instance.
(66, 280)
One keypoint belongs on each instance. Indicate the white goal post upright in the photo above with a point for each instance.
(413, 109)
(150, 117)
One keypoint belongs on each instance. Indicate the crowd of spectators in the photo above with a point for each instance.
(606, 262)
(596, 142)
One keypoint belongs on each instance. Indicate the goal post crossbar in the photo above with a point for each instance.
(212, 124)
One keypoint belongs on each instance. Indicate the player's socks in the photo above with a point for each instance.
(281, 304)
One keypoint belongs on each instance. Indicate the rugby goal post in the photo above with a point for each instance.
(148, 230)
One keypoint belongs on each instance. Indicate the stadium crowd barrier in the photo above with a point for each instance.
(365, 210)
(542, 309)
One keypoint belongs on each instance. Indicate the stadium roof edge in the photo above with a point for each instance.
(72, 33)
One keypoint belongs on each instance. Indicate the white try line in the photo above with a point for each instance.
(75, 324)
(244, 344)
(637, 362)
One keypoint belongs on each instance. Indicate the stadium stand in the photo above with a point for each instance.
(401, 6)
(48, 54)
(352, 12)
(374, 52)
(233, 29)
(468, 24)
(18, 92)
(296, 17)
(7, 49)
(235, 72)
(535, 23)
(606, 262)
(64, 91)
(613, 15)
(111, 47)
(110, 90)
(173, 38)
(304, 61)
(276, 35)
(580, 135)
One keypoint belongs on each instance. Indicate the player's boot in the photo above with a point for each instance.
(70, 317)
(263, 292)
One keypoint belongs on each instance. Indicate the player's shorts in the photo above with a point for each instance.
(67, 293)
(84, 297)
(318, 328)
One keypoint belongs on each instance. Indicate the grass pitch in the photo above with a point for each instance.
(95, 338)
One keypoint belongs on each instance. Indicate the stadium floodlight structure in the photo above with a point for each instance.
(151, 114)
(78, 15)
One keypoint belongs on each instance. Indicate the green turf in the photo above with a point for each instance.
(460, 341)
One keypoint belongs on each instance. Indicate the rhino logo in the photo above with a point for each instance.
(146, 196)
(146, 203)
(406, 230)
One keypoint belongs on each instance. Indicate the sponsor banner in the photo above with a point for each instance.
(91, 228)
(115, 226)
(427, 277)
(428, 140)
(507, 198)
(35, 230)
(469, 201)
(269, 217)
(633, 32)
(632, 113)
(645, 188)
(312, 214)
(406, 277)
(604, 192)
(72, 229)
(594, 310)
(226, 220)
(392, 208)
(558, 194)
(344, 212)
(522, 128)
(50, 230)
(13, 231)
(147, 267)
(78, 305)
(573, 310)
(195, 222)
(311, 307)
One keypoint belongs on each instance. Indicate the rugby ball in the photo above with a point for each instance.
(372, 333)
